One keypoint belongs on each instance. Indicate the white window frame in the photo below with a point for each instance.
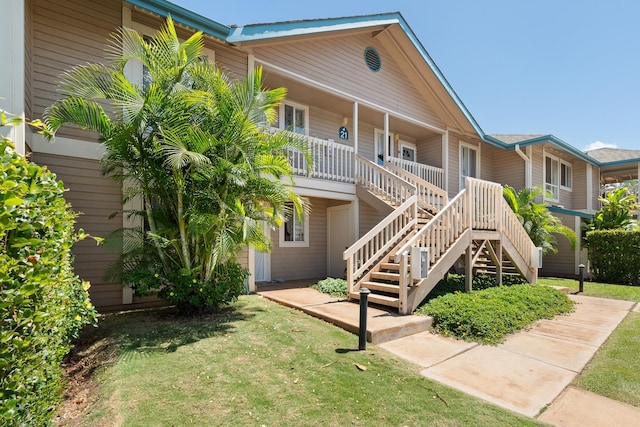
(379, 133)
(550, 186)
(410, 146)
(296, 106)
(569, 167)
(293, 244)
(476, 148)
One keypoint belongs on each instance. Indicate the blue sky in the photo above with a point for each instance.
(567, 68)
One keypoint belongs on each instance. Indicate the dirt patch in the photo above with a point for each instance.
(81, 366)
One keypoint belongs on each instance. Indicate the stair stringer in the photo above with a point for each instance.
(508, 248)
(421, 289)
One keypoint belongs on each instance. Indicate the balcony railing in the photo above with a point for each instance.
(430, 174)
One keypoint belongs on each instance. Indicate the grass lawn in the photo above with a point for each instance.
(595, 289)
(259, 363)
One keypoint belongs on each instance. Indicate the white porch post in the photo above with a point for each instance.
(385, 147)
(590, 188)
(355, 127)
(12, 85)
(577, 223)
(445, 160)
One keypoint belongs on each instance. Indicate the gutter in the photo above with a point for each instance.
(527, 166)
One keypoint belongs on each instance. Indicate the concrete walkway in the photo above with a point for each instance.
(529, 372)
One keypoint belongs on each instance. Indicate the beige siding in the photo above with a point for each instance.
(303, 263)
(339, 63)
(67, 33)
(579, 191)
(430, 151)
(563, 262)
(369, 218)
(487, 165)
(595, 185)
(454, 165)
(508, 168)
(96, 197)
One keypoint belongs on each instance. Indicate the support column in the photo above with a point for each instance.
(589, 186)
(468, 268)
(12, 85)
(385, 149)
(577, 261)
(355, 127)
(445, 160)
(499, 263)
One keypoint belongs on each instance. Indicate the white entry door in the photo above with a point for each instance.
(263, 263)
(339, 236)
(380, 147)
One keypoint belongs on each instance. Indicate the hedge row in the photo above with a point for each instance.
(42, 303)
(614, 256)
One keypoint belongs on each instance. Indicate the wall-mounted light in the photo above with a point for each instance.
(396, 138)
(345, 120)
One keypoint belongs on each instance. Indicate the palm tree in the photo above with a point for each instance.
(616, 211)
(194, 146)
(536, 219)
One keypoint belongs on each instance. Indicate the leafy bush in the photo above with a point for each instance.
(455, 283)
(333, 287)
(614, 256)
(43, 304)
(486, 316)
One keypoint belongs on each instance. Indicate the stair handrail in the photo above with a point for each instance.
(431, 174)
(428, 194)
(379, 240)
(514, 231)
(382, 182)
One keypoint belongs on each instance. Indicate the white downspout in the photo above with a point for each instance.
(527, 166)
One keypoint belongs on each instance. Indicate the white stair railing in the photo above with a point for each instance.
(431, 174)
(371, 247)
(429, 195)
(381, 182)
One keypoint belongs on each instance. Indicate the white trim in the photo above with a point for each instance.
(12, 72)
(290, 244)
(475, 148)
(297, 106)
(67, 147)
(529, 172)
(388, 149)
(355, 127)
(251, 265)
(577, 226)
(590, 187)
(445, 160)
(545, 155)
(348, 96)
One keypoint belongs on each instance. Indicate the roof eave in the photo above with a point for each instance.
(184, 16)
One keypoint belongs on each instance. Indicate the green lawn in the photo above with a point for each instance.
(595, 289)
(263, 364)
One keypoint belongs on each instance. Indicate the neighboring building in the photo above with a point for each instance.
(365, 93)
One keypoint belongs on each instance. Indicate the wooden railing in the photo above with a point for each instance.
(331, 160)
(381, 182)
(431, 174)
(486, 203)
(515, 232)
(429, 195)
(371, 247)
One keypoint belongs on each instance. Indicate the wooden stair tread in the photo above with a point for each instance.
(379, 299)
(385, 276)
(382, 287)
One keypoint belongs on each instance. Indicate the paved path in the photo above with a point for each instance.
(529, 372)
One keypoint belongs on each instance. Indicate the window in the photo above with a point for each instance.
(566, 179)
(294, 117)
(557, 175)
(380, 155)
(468, 163)
(294, 232)
(407, 151)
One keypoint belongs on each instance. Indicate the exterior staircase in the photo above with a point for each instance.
(477, 227)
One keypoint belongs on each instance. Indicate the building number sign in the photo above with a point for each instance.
(343, 132)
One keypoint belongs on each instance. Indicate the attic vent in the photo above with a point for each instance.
(372, 59)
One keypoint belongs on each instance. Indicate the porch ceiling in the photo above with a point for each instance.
(314, 97)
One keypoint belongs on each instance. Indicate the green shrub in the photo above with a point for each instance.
(486, 316)
(455, 283)
(614, 256)
(43, 304)
(332, 286)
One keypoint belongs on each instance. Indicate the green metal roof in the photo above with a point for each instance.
(560, 210)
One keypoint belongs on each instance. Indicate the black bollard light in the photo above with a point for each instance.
(362, 335)
(581, 288)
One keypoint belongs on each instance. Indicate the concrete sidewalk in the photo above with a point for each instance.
(528, 373)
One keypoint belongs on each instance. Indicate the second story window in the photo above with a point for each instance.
(551, 177)
(566, 180)
(294, 117)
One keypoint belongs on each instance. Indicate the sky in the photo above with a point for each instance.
(563, 67)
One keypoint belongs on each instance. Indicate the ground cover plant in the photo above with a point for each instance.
(259, 363)
(332, 286)
(487, 316)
